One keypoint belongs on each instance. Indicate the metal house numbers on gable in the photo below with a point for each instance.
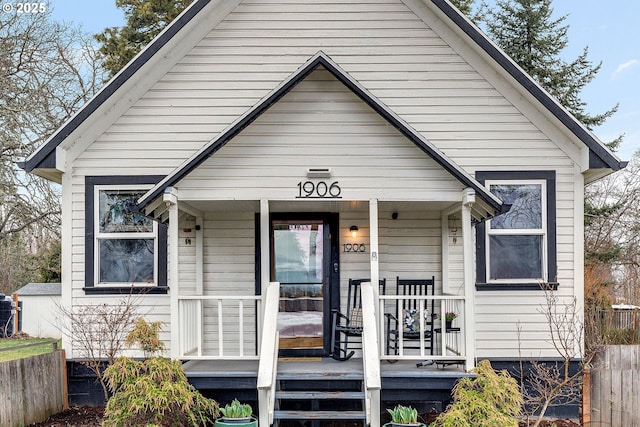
(318, 190)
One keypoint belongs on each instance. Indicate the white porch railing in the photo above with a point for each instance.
(229, 324)
(448, 343)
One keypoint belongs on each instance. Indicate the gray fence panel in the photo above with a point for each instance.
(31, 389)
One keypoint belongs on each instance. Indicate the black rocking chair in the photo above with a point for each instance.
(408, 318)
(350, 324)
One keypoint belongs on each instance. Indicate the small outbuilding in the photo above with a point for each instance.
(38, 309)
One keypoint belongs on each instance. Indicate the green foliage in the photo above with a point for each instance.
(154, 391)
(463, 6)
(526, 31)
(237, 410)
(146, 336)
(145, 19)
(403, 414)
(490, 399)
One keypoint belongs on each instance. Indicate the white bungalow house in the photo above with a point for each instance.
(258, 155)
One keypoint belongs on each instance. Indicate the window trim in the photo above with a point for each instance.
(550, 264)
(91, 287)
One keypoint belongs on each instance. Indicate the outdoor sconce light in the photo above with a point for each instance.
(354, 231)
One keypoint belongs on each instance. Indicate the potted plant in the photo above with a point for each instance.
(237, 414)
(448, 318)
(403, 416)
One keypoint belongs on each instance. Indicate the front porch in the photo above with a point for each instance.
(211, 328)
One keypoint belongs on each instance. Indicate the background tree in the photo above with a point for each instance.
(145, 19)
(47, 71)
(527, 32)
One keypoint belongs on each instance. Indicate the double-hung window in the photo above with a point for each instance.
(518, 248)
(125, 250)
(516, 240)
(126, 241)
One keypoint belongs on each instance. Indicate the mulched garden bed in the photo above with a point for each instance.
(85, 416)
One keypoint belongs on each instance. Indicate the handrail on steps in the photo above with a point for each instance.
(370, 355)
(268, 365)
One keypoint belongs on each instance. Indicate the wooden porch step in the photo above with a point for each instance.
(300, 395)
(318, 415)
(321, 376)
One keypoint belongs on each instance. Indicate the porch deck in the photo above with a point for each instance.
(401, 381)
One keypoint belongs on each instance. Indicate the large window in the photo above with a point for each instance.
(517, 248)
(126, 241)
(125, 250)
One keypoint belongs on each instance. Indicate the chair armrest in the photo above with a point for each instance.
(338, 317)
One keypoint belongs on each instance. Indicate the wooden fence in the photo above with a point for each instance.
(615, 387)
(32, 389)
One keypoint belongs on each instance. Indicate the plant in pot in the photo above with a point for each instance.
(448, 318)
(237, 414)
(404, 416)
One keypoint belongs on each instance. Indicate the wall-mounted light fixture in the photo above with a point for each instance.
(354, 231)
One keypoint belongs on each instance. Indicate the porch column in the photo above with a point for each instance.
(170, 197)
(265, 260)
(373, 251)
(468, 199)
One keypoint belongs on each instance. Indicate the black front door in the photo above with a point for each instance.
(304, 261)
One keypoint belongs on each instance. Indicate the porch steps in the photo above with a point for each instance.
(319, 397)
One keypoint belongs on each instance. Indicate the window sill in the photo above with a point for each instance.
(125, 290)
(550, 286)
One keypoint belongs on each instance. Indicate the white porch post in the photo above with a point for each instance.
(373, 251)
(468, 199)
(375, 278)
(200, 278)
(171, 199)
(265, 262)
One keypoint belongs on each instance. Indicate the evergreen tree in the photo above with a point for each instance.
(525, 30)
(145, 19)
(464, 6)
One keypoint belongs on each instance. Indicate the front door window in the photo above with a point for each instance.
(298, 264)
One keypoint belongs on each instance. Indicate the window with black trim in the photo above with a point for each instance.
(125, 251)
(518, 248)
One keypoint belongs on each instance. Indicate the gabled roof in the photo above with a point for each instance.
(599, 156)
(320, 59)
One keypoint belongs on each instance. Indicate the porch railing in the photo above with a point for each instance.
(229, 324)
(448, 340)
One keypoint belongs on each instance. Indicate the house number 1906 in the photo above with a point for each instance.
(318, 190)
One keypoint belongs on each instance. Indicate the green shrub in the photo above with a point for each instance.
(154, 391)
(490, 399)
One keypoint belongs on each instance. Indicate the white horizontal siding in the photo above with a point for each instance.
(455, 100)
